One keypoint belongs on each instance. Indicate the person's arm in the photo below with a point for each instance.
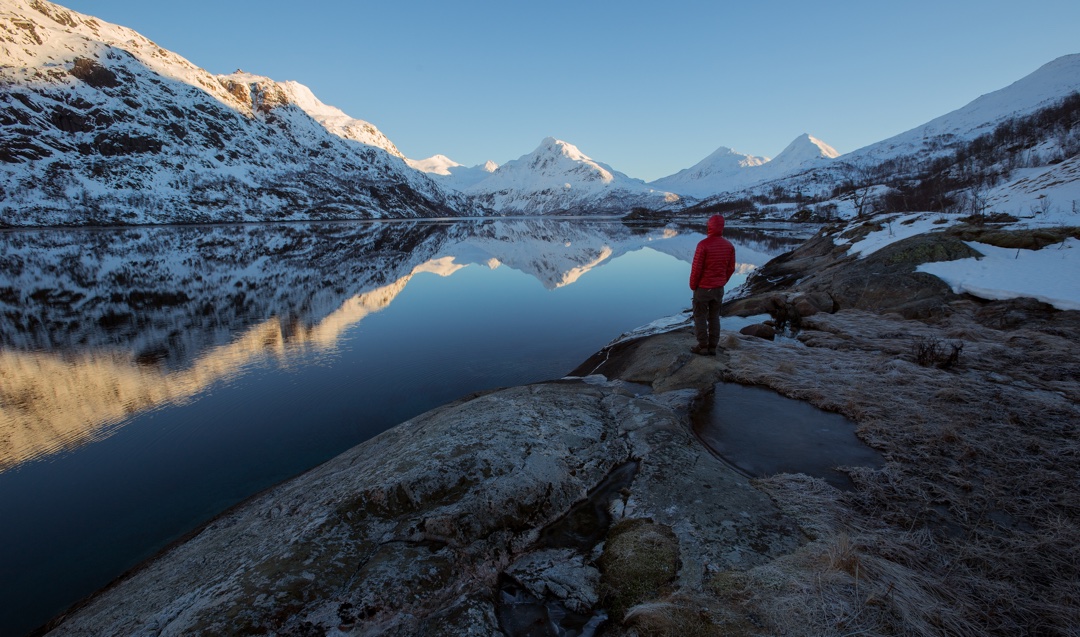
(697, 267)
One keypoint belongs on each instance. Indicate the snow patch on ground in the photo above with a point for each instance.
(897, 229)
(1050, 275)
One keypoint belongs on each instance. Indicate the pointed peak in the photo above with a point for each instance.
(806, 147)
(437, 164)
(729, 155)
(550, 144)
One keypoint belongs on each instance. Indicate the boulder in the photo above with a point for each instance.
(759, 330)
(823, 279)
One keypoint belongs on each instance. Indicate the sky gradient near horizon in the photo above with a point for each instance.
(649, 88)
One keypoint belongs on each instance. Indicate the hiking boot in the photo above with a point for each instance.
(703, 351)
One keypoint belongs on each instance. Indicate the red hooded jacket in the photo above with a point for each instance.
(714, 259)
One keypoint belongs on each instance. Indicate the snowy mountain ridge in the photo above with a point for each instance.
(265, 93)
(451, 174)
(989, 155)
(1048, 84)
(99, 125)
(726, 170)
(558, 178)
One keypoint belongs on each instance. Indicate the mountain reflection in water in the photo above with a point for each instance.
(207, 363)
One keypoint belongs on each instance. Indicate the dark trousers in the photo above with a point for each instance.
(707, 316)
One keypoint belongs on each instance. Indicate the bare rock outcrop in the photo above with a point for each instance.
(829, 280)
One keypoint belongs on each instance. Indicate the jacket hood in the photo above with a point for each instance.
(716, 226)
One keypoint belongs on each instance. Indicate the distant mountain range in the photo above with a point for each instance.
(726, 170)
(99, 125)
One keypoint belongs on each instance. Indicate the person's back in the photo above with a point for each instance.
(713, 265)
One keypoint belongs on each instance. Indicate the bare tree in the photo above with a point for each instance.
(1042, 206)
(860, 178)
(977, 202)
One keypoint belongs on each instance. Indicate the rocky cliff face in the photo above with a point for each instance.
(99, 126)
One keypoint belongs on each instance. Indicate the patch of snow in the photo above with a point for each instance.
(898, 228)
(1050, 275)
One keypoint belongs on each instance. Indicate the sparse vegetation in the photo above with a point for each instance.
(930, 350)
(639, 563)
(970, 529)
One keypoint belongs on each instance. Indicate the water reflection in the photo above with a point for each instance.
(50, 401)
(763, 433)
(208, 363)
(100, 324)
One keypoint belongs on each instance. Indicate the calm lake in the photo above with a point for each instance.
(150, 378)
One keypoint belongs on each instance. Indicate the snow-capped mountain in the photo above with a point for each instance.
(558, 178)
(451, 174)
(265, 94)
(1036, 167)
(726, 170)
(711, 175)
(1045, 86)
(100, 125)
(803, 153)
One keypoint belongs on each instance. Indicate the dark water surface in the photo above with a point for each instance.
(151, 378)
(763, 433)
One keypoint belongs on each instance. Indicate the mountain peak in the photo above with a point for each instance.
(264, 94)
(558, 177)
(564, 149)
(807, 143)
(716, 172)
(450, 173)
(436, 164)
(804, 149)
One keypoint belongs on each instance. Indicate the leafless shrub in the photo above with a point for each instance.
(932, 351)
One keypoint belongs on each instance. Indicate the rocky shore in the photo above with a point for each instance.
(587, 502)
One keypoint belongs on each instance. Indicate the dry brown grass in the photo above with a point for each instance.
(973, 527)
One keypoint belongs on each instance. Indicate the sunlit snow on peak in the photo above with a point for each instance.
(443, 266)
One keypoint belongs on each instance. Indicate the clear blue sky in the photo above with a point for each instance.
(647, 87)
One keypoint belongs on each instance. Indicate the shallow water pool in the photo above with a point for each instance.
(762, 433)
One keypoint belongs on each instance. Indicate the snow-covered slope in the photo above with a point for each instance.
(264, 93)
(716, 173)
(1047, 85)
(451, 174)
(100, 125)
(727, 170)
(1033, 172)
(559, 178)
(803, 153)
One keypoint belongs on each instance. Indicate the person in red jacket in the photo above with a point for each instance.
(714, 263)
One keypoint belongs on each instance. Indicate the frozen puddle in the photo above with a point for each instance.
(762, 433)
